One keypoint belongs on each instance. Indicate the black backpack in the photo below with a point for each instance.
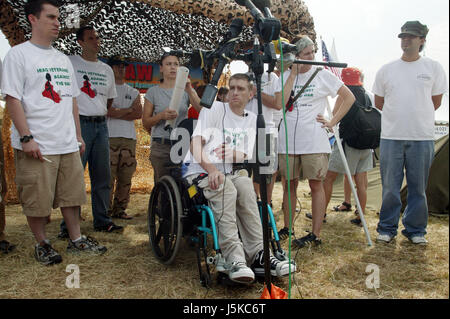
(361, 126)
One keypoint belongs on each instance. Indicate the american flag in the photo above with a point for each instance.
(327, 58)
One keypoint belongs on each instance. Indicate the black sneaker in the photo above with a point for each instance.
(284, 233)
(6, 247)
(46, 255)
(109, 228)
(309, 215)
(356, 222)
(86, 244)
(63, 234)
(308, 239)
(277, 268)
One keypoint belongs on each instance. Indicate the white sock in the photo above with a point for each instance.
(78, 239)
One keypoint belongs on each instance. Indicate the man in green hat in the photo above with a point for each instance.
(408, 91)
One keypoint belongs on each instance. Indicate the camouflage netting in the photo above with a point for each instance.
(139, 29)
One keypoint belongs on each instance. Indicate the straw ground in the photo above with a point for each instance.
(337, 269)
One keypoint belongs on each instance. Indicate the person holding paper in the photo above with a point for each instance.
(157, 111)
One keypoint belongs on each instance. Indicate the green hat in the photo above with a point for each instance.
(414, 28)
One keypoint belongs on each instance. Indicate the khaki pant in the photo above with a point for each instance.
(237, 215)
(122, 154)
(160, 160)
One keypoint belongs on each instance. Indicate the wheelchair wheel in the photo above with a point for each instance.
(164, 219)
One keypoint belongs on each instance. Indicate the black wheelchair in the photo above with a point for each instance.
(178, 210)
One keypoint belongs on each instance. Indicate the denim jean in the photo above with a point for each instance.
(397, 158)
(96, 138)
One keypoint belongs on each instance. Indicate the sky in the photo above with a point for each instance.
(365, 33)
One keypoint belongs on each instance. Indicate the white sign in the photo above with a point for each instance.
(440, 130)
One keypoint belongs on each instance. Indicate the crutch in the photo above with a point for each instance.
(349, 176)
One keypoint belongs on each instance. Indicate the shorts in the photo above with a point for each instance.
(43, 186)
(306, 166)
(359, 161)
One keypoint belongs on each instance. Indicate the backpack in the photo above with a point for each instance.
(361, 126)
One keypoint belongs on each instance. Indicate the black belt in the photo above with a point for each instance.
(162, 140)
(97, 119)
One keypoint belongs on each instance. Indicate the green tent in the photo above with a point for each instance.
(437, 190)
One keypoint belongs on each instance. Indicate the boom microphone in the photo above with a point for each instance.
(267, 27)
(180, 83)
(224, 51)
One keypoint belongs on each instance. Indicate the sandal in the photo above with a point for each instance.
(122, 215)
(284, 233)
(348, 207)
(6, 247)
(356, 221)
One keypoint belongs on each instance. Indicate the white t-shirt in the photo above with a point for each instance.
(126, 95)
(96, 83)
(0, 73)
(239, 133)
(267, 87)
(306, 135)
(44, 82)
(407, 88)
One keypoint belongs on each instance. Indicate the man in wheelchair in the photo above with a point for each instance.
(226, 134)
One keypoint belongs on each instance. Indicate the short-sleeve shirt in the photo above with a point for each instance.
(267, 86)
(306, 135)
(126, 95)
(219, 125)
(160, 98)
(96, 83)
(43, 80)
(407, 88)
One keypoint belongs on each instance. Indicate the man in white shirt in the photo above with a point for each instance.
(98, 89)
(408, 91)
(40, 88)
(226, 134)
(126, 108)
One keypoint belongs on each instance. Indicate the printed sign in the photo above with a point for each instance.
(141, 76)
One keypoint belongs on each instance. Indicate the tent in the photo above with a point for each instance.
(437, 190)
(139, 29)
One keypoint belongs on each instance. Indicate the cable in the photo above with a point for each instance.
(287, 164)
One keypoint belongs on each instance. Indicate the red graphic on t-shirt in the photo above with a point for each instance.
(87, 88)
(49, 92)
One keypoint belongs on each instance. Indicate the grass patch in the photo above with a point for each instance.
(337, 269)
